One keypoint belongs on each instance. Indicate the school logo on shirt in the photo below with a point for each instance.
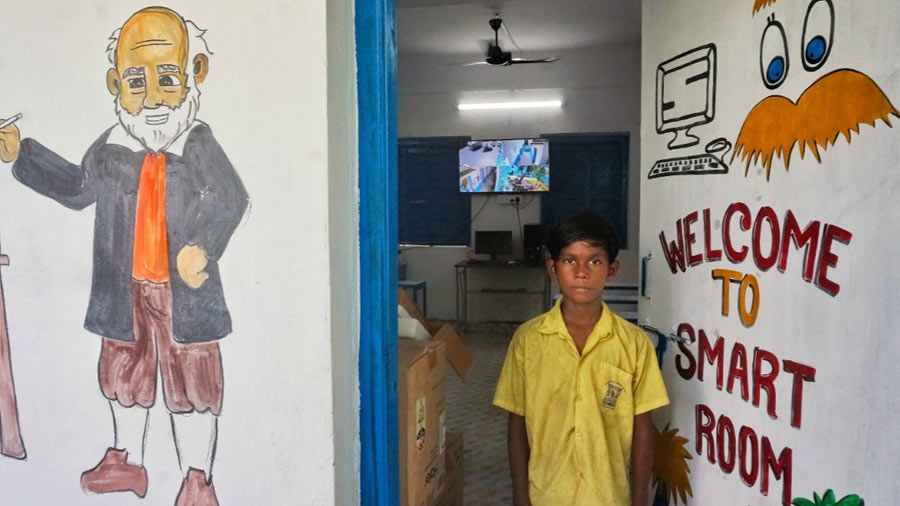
(613, 390)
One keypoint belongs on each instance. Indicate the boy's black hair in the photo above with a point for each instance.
(588, 227)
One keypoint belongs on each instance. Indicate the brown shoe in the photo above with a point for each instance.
(196, 490)
(115, 474)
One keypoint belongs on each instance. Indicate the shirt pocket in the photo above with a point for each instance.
(612, 390)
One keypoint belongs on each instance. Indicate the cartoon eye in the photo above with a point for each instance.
(818, 33)
(773, 55)
(775, 70)
(136, 82)
(169, 80)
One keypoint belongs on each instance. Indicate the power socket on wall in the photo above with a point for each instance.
(508, 200)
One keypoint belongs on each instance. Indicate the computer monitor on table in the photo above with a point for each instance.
(686, 94)
(493, 242)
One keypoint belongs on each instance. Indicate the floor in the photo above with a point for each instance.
(469, 407)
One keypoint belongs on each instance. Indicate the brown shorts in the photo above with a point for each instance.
(191, 373)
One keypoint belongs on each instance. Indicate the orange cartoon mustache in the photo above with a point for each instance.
(759, 4)
(835, 104)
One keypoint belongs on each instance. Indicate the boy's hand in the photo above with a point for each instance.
(517, 441)
(641, 459)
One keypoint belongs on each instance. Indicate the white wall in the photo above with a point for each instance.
(343, 246)
(288, 431)
(600, 92)
(846, 439)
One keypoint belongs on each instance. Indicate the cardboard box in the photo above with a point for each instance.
(452, 493)
(421, 417)
(458, 354)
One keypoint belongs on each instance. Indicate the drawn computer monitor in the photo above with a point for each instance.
(686, 94)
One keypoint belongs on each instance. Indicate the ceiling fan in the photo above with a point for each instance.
(497, 57)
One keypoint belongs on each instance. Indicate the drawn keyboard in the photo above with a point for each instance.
(696, 164)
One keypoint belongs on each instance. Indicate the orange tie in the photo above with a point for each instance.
(151, 247)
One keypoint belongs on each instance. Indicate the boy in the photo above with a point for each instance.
(579, 383)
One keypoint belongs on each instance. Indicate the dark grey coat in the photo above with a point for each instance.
(205, 201)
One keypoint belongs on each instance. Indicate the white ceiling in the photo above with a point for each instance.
(460, 27)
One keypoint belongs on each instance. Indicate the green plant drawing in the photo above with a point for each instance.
(828, 499)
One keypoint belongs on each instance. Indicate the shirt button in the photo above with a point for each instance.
(577, 435)
(578, 398)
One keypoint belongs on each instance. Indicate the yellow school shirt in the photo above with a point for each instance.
(579, 409)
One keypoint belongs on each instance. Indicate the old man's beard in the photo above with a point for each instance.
(157, 128)
(833, 106)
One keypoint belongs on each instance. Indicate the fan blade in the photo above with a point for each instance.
(516, 61)
(506, 63)
(465, 63)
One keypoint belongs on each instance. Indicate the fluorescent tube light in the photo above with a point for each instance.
(510, 105)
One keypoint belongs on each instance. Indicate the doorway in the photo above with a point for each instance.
(377, 134)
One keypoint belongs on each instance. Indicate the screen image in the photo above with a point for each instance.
(493, 242)
(687, 86)
(505, 166)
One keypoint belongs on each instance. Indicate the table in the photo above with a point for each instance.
(462, 282)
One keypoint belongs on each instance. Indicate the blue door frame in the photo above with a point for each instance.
(376, 63)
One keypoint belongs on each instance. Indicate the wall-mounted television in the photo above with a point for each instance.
(505, 166)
